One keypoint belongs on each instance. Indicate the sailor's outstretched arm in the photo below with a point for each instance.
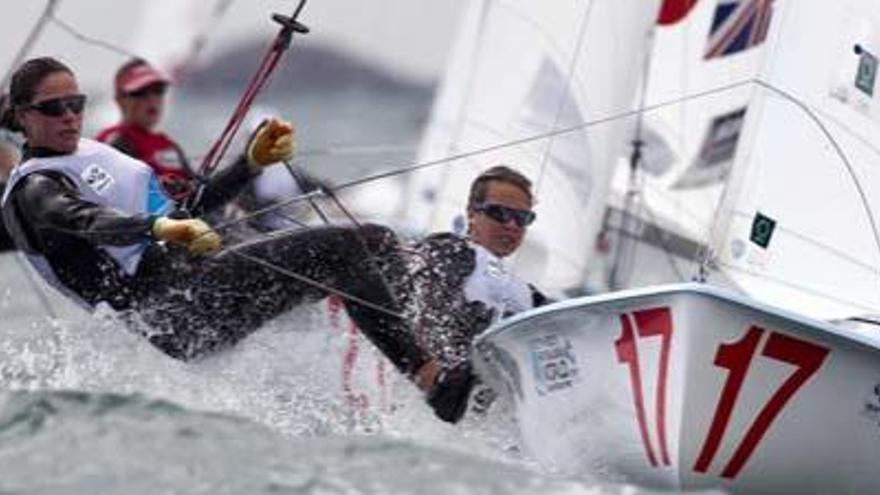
(272, 142)
(223, 186)
(47, 203)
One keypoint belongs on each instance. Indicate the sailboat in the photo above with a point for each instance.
(741, 382)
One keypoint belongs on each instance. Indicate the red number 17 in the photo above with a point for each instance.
(736, 358)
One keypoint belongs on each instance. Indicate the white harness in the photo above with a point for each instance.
(105, 176)
(493, 284)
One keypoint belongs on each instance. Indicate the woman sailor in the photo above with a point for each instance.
(88, 220)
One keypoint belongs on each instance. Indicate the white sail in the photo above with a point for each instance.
(169, 31)
(800, 225)
(523, 69)
(729, 148)
(696, 103)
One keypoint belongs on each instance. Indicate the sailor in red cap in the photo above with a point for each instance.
(140, 94)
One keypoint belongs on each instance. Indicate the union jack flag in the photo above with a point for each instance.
(737, 26)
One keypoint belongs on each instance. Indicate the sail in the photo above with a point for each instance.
(171, 33)
(522, 70)
(697, 101)
(799, 225)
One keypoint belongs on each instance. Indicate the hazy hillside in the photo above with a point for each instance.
(305, 68)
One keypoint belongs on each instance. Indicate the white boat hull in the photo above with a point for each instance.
(692, 387)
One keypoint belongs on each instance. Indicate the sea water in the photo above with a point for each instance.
(301, 406)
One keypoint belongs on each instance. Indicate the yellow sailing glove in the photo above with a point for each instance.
(273, 141)
(195, 235)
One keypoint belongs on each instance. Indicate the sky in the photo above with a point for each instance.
(409, 37)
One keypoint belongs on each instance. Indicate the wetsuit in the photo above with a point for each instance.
(84, 222)
(462, 289)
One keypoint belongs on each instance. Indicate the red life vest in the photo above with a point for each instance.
(156, 150)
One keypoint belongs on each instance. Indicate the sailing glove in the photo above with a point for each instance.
(194, 234)
(272, 142)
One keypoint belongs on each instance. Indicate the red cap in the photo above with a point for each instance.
(137, 77)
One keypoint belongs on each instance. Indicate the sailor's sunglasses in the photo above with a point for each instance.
(504, 214)
(56, 107)
(151, 90)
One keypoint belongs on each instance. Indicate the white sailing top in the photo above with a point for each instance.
(493, 284)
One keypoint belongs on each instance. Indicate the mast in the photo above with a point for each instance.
(625, 245)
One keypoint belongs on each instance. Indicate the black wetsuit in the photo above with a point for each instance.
(195, 305)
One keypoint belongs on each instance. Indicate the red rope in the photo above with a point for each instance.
(255, 85)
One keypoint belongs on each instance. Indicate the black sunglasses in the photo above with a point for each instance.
(151, 90)
(504, 214)
(56, 107)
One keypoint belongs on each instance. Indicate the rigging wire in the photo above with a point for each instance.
(476, 55)
(200, 40)
(32, 38)
(560, 105)
(298, 178)
(196, 46)
(236, 251)
(625, 250)
(544, 135)
(90, 40)
(479, 151)
(837, 149)
(625, 115)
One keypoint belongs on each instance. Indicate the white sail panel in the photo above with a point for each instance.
(169, 30)
(525, 69)
(696, 111)
(800, 229)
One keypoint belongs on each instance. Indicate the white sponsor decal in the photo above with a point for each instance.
(553, 363)
(98, 179)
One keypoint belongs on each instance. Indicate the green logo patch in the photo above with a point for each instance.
(762, 230)
(866, 74)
